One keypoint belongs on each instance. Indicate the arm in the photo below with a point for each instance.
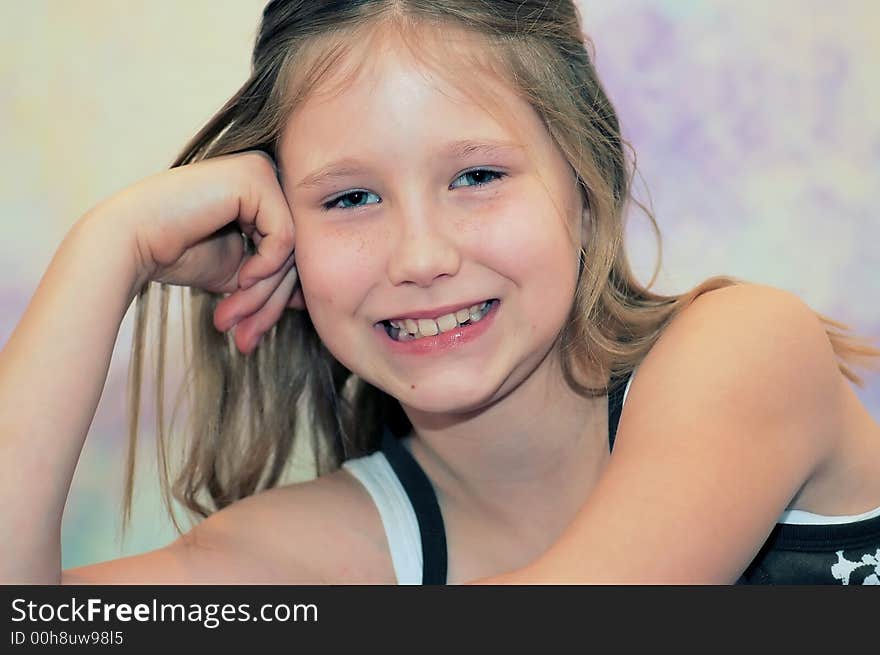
(52, 373)
(324, 531)
(172, 227)
(228, 547)
(734, 408)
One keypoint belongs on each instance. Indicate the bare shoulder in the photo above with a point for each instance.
(755, 352)
(324, 531)
(752, 347)
(732, 411)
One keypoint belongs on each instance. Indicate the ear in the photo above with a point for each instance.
(296, 300)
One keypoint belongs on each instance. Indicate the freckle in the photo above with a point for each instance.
(412, 386)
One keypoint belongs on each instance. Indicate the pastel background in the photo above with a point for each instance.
(757, 128)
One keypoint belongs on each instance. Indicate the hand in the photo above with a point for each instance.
(187, 224)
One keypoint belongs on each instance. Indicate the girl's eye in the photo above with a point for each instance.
(352, 199)
(349, 200)
(480, 175)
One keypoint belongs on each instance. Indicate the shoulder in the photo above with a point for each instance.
(728, 415)
(749, 350)
(323, 531)
(754, 315)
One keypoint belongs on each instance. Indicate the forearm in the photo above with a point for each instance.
(52, 374)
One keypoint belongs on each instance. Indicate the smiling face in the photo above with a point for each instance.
(430, 202)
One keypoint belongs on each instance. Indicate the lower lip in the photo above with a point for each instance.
(443, 342)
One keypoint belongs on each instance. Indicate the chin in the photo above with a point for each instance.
(439, 399)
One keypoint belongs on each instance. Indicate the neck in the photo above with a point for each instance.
(526, 463)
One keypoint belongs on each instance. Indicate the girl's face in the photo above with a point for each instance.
(409, 197)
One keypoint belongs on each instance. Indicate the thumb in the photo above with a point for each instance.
(232, 254)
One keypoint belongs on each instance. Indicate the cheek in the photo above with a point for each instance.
(531, 243)
(531, 247)
(333, 267)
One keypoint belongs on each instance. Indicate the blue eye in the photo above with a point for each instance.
(354, 199)
(479, 173)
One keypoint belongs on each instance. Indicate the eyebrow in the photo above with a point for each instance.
(349, 166)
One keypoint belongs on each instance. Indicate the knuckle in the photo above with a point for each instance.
(286, 238)
(264, 163)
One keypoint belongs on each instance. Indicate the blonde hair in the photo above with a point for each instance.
(244, 420)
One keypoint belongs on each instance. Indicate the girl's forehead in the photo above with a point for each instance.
(447, 52)
(369, 77)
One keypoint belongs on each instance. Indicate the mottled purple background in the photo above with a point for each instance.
(757, 128)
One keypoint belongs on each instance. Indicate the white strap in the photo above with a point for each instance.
(801, 517)
(628, 383)
(397, 513)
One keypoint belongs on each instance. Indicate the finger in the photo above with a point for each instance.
(249, 331)
(270, 216)
(244, 303)
(234, 251)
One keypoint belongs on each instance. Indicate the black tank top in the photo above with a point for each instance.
(842, 553)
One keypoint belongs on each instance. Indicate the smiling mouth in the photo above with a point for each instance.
(411, 329)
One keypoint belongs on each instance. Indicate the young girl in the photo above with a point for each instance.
(433, 280)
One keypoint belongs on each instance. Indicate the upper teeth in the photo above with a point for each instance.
(429, 327)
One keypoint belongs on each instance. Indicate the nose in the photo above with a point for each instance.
(424, 248)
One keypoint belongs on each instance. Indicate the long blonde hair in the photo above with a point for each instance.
(244, 419)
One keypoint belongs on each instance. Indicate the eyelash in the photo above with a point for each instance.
(330, 204)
